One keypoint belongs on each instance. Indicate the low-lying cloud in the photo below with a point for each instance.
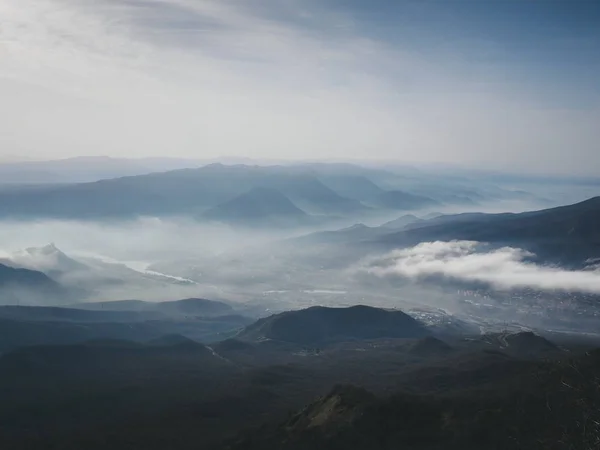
(504, 268)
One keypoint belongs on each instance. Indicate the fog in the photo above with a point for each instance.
(158, 259)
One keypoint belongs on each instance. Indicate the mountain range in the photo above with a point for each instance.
(316, 189)
(568, 235)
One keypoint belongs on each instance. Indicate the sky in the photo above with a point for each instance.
(501, 84)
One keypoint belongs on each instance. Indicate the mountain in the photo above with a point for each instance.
(352, 186)
(24, 286)
(352, 235)
(403, 201)
(189, 306)
(319, 325)
(401, 222)
(48, 259)
(522, 344)
(22, 327)
(178, 192)
(567, 234)
(258, 206)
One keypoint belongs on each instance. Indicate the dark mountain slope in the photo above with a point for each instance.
(552, 406)
(319, 325)
(568, 234)
(72, 327)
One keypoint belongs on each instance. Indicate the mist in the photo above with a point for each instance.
(504, 268)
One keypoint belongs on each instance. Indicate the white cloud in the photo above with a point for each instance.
(279, 79)
(503, 268)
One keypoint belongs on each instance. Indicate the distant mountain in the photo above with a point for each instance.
(401, 222)
(29, 287)
(567, 234)
(259, 206)
(352, 186)
(48, 259)
(179, 192)
(352, 235)
(24, 326)
(189, 306)
(401, 200)
(319, 325)
(86, 169)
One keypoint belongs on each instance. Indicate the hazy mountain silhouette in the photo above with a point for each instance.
(48, 259)
(402, 222)
(178, 192)
(258, 206)
(403, 201)
(29, 287)
(352, 235)
(352, 186)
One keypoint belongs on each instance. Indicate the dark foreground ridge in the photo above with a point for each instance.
(555, 406)
(330, 378)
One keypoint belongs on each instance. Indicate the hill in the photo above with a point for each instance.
(25, 326)
(351, 235)
(402, 222)
(352, 186)
(258, 206)
(321, 325)
(552, 406)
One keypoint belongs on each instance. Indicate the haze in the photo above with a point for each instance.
(508, 84)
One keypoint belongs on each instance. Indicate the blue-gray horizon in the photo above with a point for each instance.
(506, 84)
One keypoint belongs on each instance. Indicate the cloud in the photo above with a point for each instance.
(503, 268)
(258, 78)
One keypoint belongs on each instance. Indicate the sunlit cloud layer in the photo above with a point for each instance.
(504, 268)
